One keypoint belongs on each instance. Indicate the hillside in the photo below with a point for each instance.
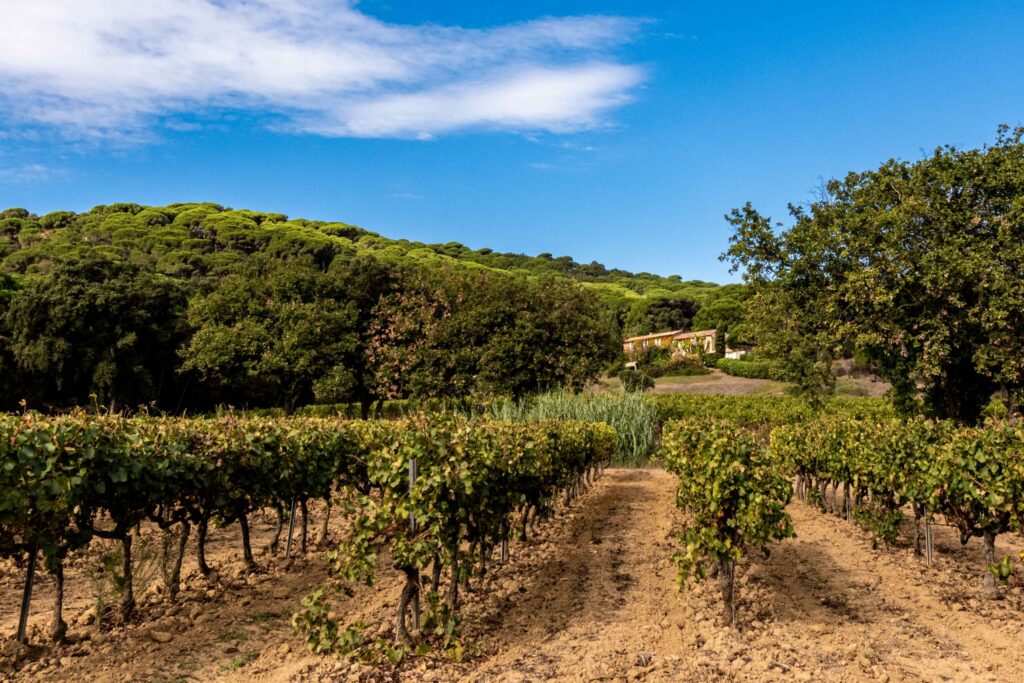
(203, 241)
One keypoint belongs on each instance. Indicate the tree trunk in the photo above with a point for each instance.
(59, 627)
(250, 562)
(726, 580)
(127, 592)
(991, 584)
(467, 576)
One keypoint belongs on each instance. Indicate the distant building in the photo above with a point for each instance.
(677, 341)
(737, 353)
(656, 340)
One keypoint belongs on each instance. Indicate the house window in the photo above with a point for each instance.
(657, 342)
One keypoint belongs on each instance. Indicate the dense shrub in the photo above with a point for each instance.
(761, 369)
(679, 367)
(634, 381)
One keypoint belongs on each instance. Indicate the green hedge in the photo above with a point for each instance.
(759, 369)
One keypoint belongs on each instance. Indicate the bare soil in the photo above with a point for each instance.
(590, 597)
(717, 382)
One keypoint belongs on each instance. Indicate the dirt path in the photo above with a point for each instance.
(850, 611)
(605, 606)
(717, 382)
(825, 605)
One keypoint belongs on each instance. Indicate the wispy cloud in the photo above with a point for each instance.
(30, 173)
(577, 146)
(118, 68)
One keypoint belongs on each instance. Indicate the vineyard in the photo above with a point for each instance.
(735, 481)
(418, 489)
(477, 548)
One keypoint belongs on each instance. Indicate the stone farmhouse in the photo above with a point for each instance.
(677, 341)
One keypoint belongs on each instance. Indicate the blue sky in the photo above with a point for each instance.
(611, 131)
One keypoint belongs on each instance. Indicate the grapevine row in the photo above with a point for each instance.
(475, 485)
(67, 479)
(762, 413)
(734, 494)
(871, 469)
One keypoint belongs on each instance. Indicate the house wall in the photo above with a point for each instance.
(684, 346)
(663, 341)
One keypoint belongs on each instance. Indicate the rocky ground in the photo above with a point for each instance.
(591, 597)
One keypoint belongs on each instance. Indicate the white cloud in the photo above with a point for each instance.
(118, 67)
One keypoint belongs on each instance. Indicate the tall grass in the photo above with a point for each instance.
(634, 420)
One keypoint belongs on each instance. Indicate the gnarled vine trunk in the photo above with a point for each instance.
(322, 541)
(174, 576)
(127, 591)
(991, 583)
(250, 562)
(204, 568)
(727, 582)
(453, 584)
(409, 592)
(59, 628)
(275, 543)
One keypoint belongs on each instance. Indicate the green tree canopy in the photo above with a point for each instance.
(918, 265)
(274, 334)
(95, 326)
(457, 334)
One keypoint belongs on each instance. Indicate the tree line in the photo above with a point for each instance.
(190, 306)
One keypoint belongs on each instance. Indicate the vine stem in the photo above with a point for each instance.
(291, 530)
(26, 595)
